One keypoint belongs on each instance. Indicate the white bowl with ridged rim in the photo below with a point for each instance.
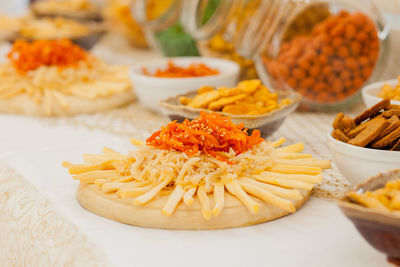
(359, 163)
(370, 92)
(150, 90)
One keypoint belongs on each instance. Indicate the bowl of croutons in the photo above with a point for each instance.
(249, 102)
(368, 143)
(374, 208)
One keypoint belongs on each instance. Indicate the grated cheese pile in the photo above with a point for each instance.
(262, 172)
(48, 72)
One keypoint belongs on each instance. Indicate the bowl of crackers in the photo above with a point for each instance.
(374, 208)
(368, 143)
(375, 92)
(249, 102)
(158, 79)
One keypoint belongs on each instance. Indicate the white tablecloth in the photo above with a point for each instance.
(42, 224)
(34, 148)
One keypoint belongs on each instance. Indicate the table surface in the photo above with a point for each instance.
(33, 185)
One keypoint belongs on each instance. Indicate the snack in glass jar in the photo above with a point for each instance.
(330, 63)
(222, 48)
(118, 17)
(306, 20)
(216, 38)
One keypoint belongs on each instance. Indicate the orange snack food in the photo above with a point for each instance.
(174, 71)
(377, 127)
(330, 63)
(27, 56)
(211, 133)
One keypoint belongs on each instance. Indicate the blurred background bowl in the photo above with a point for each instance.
(370, 92)
(87, 41)
(150, 90)
(358, 163)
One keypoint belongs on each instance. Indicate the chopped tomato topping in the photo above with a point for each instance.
(174, 71)
(211, 134)
(27, 56)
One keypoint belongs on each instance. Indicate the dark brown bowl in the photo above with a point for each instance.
(267, 123)
(381, 229)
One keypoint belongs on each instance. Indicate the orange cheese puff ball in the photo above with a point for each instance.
(331, 62)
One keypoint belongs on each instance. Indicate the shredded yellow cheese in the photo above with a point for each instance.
(269, 174)
(51, 86)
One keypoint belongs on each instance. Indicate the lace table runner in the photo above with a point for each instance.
(33, 233)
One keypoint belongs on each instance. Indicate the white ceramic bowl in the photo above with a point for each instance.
(150, 90)
(359, 163)
(370, 92)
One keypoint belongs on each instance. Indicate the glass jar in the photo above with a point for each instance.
(160, 20)
(326, 50)
(118, 17)
(215, 25)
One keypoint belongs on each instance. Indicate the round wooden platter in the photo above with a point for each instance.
(234, 214)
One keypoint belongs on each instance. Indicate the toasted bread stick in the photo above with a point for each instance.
(372, 111)
(340, 135)
(361, 127)
(394, 124)
(391, 112)
(337, 122)
(370, 133)
(388, 140)
(396, 146)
